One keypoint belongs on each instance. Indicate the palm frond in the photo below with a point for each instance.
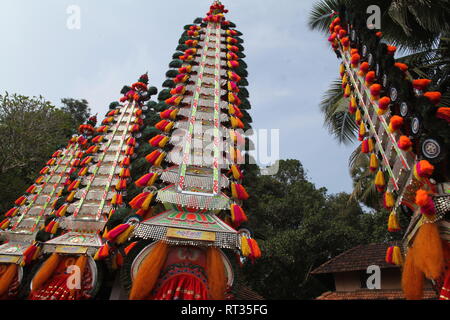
(338, 120)
(320, 14)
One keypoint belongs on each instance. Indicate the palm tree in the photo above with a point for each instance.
(421, 29)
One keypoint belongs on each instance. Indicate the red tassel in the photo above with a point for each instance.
(152, 157)
(145, 180)
(20, 201)
(238, 215)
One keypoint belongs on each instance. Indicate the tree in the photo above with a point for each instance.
(78, 109)
(31, 129)
(302, 228)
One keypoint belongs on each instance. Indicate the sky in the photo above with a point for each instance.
(289, 66)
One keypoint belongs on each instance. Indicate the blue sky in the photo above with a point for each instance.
(289, 66)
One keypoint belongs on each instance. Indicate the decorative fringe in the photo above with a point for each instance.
(395, 123)
(148, 272)
(46, 271)
(120, 233)
(239, 192)
(433, 96)
(102, 252)
(412, 278)
(429, 254)
(358, 117)
(117, 199)
(20, 201)
(405, 144)
(7, 278)
(383, 105)
(4, 224)
(238, 215)
(217, 279)
(394, 256)
(375, 91)
(237, 174)
(11, 212)
(388, 200)
(380, 182)
(393, 223)
(146, 180)
(370, 78)
(425, 202)
(373, 166)
(362, 131)
(421, 84)
(142, 201)
(443, 113)
(423, 169)
(61, 212)
(353, 105)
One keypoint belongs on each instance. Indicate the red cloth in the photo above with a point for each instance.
(182, 287)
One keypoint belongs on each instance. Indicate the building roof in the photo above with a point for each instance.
(366, 294)
(357, 258)
(246, 293)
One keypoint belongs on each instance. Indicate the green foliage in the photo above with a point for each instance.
(31, 129)
(78, 109)
(302, 228)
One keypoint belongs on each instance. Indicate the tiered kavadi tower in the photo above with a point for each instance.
(154, 193)
(405, 133)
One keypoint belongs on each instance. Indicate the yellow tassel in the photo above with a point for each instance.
(36, 253)
(231, 109)
(397, 258)
(393, 224)
(373, 162)
(54, 228)
(344, 80)
(245, 249)
(358, 117)
(353, 102)
(147, 201)
(389, 200)
(163, 142)
(233, 191)
(362, 129)
(105, 232)
(160, 159)
(236, 173)
(371, 145)
(342, 69)
(347, 91)
(380, 181)
(124, 236)
(71, 196)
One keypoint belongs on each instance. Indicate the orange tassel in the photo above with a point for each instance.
(429, 254)
(217, 279)
(7, 278)
(433, 96)
(412, 278)
(46, 271)
(404, 143)
(148, 272)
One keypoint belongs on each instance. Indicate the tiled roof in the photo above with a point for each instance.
(366, 294)
(358, 258)
(245, 293)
